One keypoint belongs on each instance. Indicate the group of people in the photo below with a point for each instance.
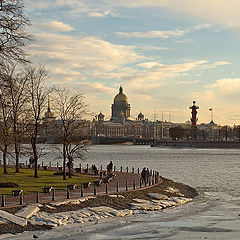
(94, 169)
(145, 175)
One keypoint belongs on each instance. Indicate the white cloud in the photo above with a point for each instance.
(222, 12)
(227, 86)
(216, 64)
(98, 14)
(163, 34)
(56, 26)
(188, 82)
(154, 34)
(90, 56)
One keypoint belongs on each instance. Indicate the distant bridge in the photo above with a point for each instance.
(99, 140)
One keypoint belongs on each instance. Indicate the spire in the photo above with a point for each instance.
(120, 89)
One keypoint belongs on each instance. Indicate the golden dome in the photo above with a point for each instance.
(120, 97)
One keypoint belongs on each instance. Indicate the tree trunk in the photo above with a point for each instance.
(35, 156)
(69, 166)
(64, 161)
(5, 158)
(16, 156)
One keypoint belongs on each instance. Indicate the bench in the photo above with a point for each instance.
(106, 180)
(71, 187)
(86, 184)
(78, 170)
(47, 189)
(17, 193)
(97, 183)
(102, 173)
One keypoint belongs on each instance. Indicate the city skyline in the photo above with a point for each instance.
(165, 54)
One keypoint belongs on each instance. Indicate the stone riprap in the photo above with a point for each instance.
(93, 214)
(12, 218)
(28, 211)
(72, 201)
(80, 216)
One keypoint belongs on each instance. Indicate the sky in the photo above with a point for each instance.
(165, 54)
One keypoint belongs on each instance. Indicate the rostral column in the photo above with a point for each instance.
(194, 120)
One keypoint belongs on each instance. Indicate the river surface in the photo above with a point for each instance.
(215, 214)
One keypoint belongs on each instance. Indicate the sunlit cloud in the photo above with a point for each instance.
(56, 26)
(154, 34)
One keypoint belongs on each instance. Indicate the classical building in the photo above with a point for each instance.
(120, 108)
(122, 124)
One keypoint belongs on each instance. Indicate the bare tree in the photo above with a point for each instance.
(14, 83)
(13, 30)
(69, 109)
(37, 93)
(5, 135)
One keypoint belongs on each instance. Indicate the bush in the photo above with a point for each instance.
(8, 185)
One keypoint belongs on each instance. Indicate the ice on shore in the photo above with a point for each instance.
(93, 214)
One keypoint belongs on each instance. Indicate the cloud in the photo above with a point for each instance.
(98, 14)
(163, 34)
(56, 26)
(188, 82)
(216, 64)
(90, 56)
(225, 13)
(226, 86)
(154, 34)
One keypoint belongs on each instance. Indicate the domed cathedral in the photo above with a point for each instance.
(120, 107)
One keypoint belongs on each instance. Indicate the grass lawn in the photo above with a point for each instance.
(29, 184)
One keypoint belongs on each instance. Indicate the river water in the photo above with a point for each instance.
(215, 214)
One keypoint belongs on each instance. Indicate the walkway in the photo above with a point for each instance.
(121, 182)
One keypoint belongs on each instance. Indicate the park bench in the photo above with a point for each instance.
(106, 180)
(17, 193)
(86, 184)
(71, 187)
(97, 183)
(45, 167)
(47, 189)
(102, 173)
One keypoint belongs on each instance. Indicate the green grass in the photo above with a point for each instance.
(29, 184)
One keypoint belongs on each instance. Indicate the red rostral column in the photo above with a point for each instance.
(194, 119)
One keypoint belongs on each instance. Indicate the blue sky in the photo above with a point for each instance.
(165, 53)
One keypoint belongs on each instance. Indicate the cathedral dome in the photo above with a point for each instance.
(120, 97)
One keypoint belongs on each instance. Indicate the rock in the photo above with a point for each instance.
(50, 207)
(28, 211)
(157, 196)
(174, 190)
(141, 200)
(72, 201)
(6, 236)
(101, 209)
(165, 203)
(12, 218)
(147, 207)
(116, 196)
(180, 200)
(2, 221)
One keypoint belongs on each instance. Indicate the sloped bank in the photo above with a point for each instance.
(91, 209)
